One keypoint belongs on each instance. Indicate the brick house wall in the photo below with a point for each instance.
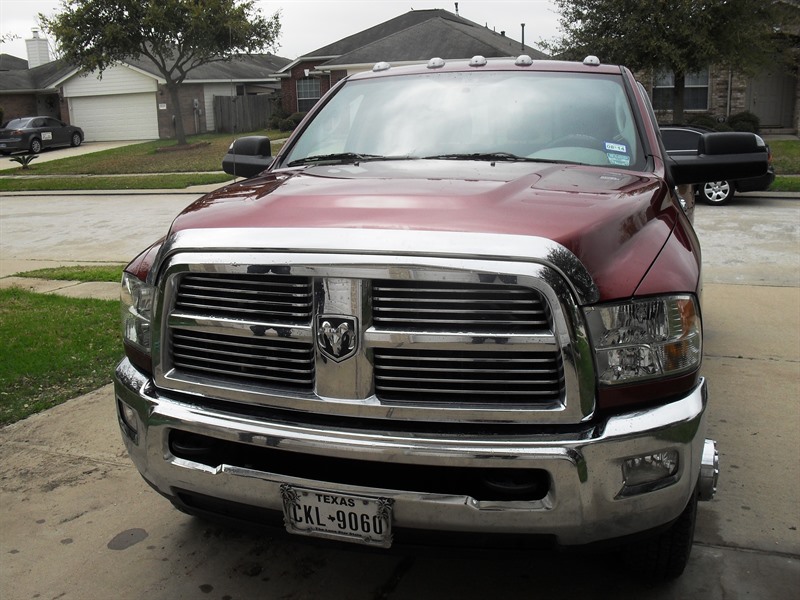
(29, 105)
(18, 105)
(298, 72)
(194, 120)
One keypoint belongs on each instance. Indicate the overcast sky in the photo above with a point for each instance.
(311, 24)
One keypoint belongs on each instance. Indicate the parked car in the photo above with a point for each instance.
(34, 134)
(462, 300)
(681, 140)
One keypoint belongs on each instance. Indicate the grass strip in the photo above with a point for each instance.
(144, 182)
(89, 273)
(785, 184)
(54, 349)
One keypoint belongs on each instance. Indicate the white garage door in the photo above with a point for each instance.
(117, 117)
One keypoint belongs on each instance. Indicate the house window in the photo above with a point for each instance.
(695, 93)
(307, 93)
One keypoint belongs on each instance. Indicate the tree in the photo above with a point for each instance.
(176, 35)
(672, 36)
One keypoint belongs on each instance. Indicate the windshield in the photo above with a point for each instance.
(562, 117)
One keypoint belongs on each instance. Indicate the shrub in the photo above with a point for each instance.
(286, 125)
(702, 120)
(24, 159)
(744, 121)
(297, 117)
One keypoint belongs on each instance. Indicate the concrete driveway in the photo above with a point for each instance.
(78, 521)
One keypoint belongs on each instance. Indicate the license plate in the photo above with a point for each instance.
(345, 517)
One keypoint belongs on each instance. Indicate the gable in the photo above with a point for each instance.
(115, 80)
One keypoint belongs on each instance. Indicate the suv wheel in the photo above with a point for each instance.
(76, 140)
(36, 146)
(717, 192)
(664, 556)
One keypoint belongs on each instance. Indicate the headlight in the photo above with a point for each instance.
(137, 312)
(645, 339)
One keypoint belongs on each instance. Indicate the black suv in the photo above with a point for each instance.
(681, 140)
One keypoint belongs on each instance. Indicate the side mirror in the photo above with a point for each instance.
(247, 156)
(721, 156)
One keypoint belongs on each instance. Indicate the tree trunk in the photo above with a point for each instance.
(180, 133)
(677, 98)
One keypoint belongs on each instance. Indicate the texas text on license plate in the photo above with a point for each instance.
(345, 517)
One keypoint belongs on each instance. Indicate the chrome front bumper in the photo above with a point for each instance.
(585, 502)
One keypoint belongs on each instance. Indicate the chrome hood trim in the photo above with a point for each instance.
(452, 245)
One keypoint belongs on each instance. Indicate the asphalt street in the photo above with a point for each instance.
(78, 522)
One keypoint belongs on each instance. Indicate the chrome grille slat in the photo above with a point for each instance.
(441, 305)
(406, 375)
(284, 299)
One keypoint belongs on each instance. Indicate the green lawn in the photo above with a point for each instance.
(54, 349)
(204, 154)
(786, 156)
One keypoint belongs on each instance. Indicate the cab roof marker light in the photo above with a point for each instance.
(435, 63)
(477, 61)
(523, 60)
(591, 61)
(381, 66)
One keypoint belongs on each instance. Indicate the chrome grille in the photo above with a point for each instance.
(404, 375)
(275, 298)
(456, 306)
(436, 343)
(257, 360)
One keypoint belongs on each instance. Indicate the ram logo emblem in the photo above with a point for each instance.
(337, 336)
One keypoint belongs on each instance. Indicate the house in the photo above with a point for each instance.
(410, 38)
(129, 101)
(773, 96)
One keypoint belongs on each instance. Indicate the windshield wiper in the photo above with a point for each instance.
(478, 156)
(341, 157)
(500, 156)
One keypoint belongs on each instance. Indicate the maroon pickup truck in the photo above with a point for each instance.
(461, 302)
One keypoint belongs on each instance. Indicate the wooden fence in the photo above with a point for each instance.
(235, 114)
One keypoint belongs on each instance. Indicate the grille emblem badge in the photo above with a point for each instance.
(337, 336)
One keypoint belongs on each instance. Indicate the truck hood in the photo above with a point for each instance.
(614, 222)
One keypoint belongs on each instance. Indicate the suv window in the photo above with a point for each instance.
(680, 139)
(539, 116)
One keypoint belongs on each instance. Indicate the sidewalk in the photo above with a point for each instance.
(71, 289)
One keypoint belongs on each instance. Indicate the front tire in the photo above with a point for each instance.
(666, 555)
(36, 146)
(717, 192)
(76, 140)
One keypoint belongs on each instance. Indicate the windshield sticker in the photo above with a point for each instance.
(621, 160)
(611, 147)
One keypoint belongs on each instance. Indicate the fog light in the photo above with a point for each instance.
(128, 417)
(650, 470)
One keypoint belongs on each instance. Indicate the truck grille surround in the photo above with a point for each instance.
(422, 343)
